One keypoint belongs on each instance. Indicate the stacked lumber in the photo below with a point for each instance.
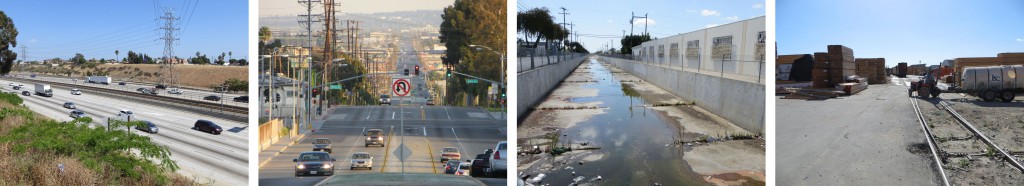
(811, 94)
(840, 63)
(873, 69)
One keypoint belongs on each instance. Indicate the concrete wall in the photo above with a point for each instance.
(746, 57)
(740, 102)
(541, 82)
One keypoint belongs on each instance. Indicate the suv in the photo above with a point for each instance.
(499, 160)
(385, 99)
(161, 86)
(322, 144)
(174, 91)
(207, 126)
(374, 137)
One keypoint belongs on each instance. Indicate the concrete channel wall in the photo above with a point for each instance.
(740, 102)
(535, 84)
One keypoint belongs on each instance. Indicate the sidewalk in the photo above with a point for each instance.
(286, 141)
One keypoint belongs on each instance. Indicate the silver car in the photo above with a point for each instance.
(70, 105)
(361, 160)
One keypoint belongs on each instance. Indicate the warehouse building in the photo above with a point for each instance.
(735, 50)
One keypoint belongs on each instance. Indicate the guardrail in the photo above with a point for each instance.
(242, 111)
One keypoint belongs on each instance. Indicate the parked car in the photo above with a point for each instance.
(161, 86)
(374, 137)
(385, 99)
(212, 98)
(26, 93)
(243, 99)
(207, 126)
(148, 127)
(314, 163)
(77, 114)
(75, 91)
(450, 153)
(322, 144)
(70, 105)
(499, 159)
(174, 91)
(361, 160)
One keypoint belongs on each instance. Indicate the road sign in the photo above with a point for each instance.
(335, 87)
(402, 152)
(400, 87)
(472, 81)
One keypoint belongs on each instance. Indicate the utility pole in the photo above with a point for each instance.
(308, 58)
(167, 68)
(563, 24)
(633, 18)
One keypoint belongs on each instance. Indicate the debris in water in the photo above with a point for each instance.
(569, 168)
(538, 178)
(581, 163)
(657, 184)
(573, 173)
(578, 179)
(599, 178)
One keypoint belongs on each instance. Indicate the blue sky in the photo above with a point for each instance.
(96, 28)
(602, 21)
(902, 31)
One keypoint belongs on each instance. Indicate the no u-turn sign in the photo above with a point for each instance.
(400, 87)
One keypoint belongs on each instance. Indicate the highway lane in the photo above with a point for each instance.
(222, 159)
(426, 130)
(190, 94)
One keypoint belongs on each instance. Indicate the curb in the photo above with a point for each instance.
(300, 136)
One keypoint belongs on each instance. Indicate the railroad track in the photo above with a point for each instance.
(148, 97)
(938, 154)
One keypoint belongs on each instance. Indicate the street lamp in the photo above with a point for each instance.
(478, 47)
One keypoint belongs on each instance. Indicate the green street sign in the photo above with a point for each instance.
(472, 81)
(335, 87)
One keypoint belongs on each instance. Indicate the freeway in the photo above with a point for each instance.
(216, 159)
(425, 129)
(189, 94)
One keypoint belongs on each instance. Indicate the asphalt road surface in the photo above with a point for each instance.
(424, 130)
(217, 159)
(189, 94)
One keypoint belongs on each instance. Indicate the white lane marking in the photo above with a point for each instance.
(368, 113)
(424, 130)
(446, 113)
(461, 148)
(392, 115)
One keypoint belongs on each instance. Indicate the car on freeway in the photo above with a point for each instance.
(479, 166)
(77, 114)
(450, 153)
(161, 86)
(207, 126)
(243, 99)
(26, 93)
(16, 87)
(452, 167)
(10, 84)
(174, 91)
(212, 98)
(499, 160)
(148, 127)
(430, 101)
(75, 91)
(385, 99)
(70, 105)
(121, 83)
(361, 160)
(464, 169)
(140, 89)
(314, 163)
(374, 137)
(322, 144)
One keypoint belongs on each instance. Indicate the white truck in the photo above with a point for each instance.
(99, 79)
(44, 90)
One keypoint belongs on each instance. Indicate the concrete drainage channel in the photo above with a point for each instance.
(233, 113)
(941, 155)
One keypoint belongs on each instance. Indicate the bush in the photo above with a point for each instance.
(234, 84)
(11, 98)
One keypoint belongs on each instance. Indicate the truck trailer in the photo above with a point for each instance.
(99, 80)
(44, 90)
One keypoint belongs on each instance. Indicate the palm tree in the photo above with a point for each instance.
(116, 53)
(229, 56)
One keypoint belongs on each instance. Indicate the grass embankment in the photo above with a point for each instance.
(196, 76)
(36, 150)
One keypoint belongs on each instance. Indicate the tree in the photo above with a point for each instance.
(8, 40)
(264, 38)
(473, 22)
(220, 59)
(229, 58)
(243, 62)
(115, 54)
(78, 59)
(631, 41)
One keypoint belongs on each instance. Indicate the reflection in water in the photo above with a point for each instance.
(636, 148)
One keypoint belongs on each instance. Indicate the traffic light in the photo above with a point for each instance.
(316, 92)
(406, 72)
(417, 70)
(448, 72)
(278, 97)
(266, 95)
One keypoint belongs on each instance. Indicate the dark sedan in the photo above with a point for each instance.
(243, 99)
(212, 98)
(314, 163)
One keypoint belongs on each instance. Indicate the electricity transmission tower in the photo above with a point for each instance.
(167, 67)
(308, 25)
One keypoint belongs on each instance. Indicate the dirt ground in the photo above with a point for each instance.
(196, 76)
(973, 166)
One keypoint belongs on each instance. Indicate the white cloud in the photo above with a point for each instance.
(757, 6)
(733, 18)
(641, 21)
(707, 12)
(1020, 40)
(710, 25)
